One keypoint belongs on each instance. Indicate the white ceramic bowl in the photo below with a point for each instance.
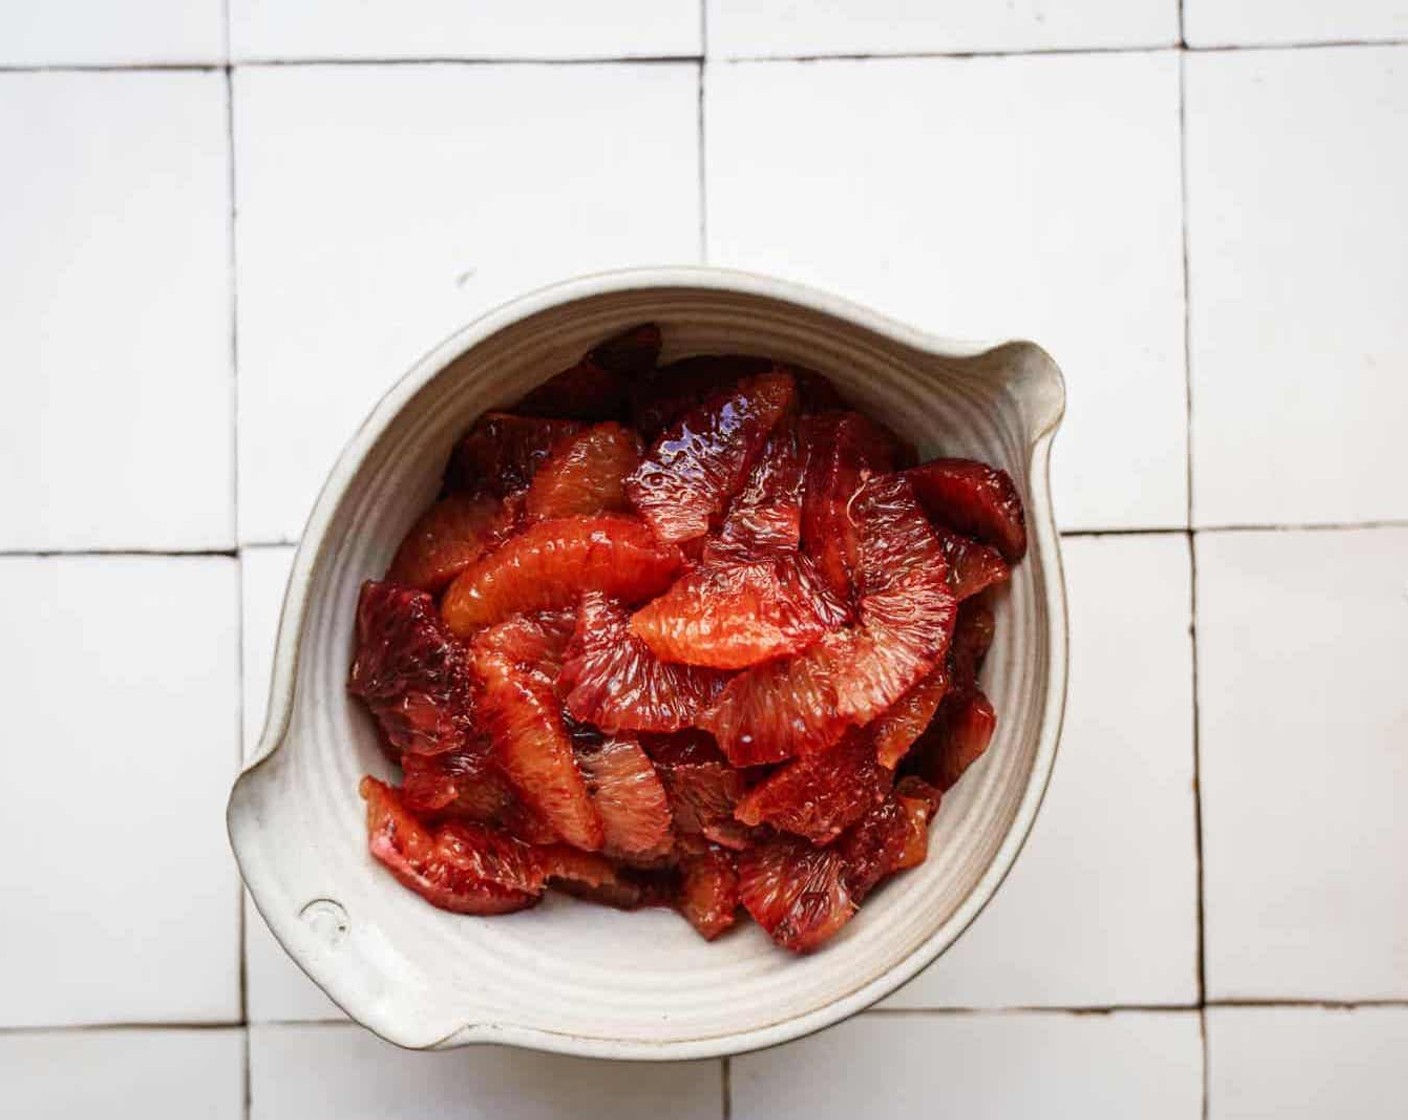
(569, 976)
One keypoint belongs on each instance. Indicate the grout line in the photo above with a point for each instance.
(90, 1028)
(1187, 284)
(703, 179)
(53, 553)
(233, 261)
(1148, 531)
(1198, 846)
(1034, 1009)
(1265, 527)
(1289, 1003)
(1203, 1042)
(1182, 29)
(136, 67)
(1305, 527)
(726, 1086)
(118, 68)
(1304, 45)
(615, 60)
(1319, 1004)
(248, 1086)
(1200, 960)
(1165, 531)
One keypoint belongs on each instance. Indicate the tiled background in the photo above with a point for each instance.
(225, 228)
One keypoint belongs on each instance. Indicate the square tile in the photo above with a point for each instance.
(1146, 1064)
(340, 1072)
(1109, 874)
(100, 33)
(382, 207)
(122, 676)
(1297, 276)
(744, 29)
(991, 198)
(431, 29)
(155, 1074)
(1310, 1062)
(117, 430)
(1303, 719)
(1225, 23)
(275, 987)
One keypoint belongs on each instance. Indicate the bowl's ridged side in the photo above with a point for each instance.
(567, 973)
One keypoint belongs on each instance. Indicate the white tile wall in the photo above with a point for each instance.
(745, 29)
(382, 207)
(381, 29)
(1296, 232)
(882, 1066)
(119, 679)
(339, 1072)
(102, 33)
(1118, 920)
(154, 1074)
(117, 429)
(1303, 1063)
(381, 204)
(1303, 717)
(1222, 23)
(985, 198)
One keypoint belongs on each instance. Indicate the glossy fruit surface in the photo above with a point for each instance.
(697, 636)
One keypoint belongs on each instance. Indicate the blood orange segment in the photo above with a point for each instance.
(873, 847)
(957, 738)
(532, 745)
(766, 514)
(733, 615)
(701, 460)
(892, 836)
(781, 708)
(550, 563)
(796, 892)
(907, 611)
(586, 474)
(533, 641)
(410, 672)
(920, 802)
(501, 452)
(466, 785)
(974, 499)
(903, 635)
(701, 786)
(972, 638)
(613, 680)
(449, 537)
(803, 704)
(433, 783)
(627, 793)
(821, 795)
(592, 876)
(840, 450)
(661, 398)
(461, 867)
(972, 567)
(596, 387)
(708, 892)
(899, 726)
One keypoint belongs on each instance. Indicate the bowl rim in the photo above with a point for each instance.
(314, 542)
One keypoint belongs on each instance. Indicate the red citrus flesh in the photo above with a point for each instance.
(696, 636)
